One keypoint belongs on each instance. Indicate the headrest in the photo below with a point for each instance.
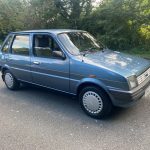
(42, 41)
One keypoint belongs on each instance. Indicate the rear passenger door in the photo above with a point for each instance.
(47, 69)
(19, 57)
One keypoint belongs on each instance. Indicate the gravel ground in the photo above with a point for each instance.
(38, 119)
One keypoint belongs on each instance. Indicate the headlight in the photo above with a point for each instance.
(132, 82)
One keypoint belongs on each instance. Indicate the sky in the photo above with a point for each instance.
(96, 2)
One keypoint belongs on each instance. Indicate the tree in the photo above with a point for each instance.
(118, 22)
(10, 19)
(73, 10)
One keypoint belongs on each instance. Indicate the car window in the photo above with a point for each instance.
(44, 46)
(6, 46)
(21, 45)
(80, 43)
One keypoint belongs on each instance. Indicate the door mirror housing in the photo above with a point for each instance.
(59, 54)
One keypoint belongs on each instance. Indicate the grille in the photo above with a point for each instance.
(143, 76)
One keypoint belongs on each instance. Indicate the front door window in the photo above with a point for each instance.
(45, 46)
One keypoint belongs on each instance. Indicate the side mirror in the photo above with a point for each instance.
(59, 54)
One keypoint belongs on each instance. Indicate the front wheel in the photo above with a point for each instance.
(95, 102)
(10, 81)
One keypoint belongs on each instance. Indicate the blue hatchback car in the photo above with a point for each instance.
(72, 61)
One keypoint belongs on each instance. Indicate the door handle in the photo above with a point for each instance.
(36, 62)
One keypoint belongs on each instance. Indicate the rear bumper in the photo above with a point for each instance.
(127, 98)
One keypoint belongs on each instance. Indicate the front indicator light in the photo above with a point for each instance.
(132, 81)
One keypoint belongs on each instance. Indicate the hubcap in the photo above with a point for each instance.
(9, 80)
(92, 102)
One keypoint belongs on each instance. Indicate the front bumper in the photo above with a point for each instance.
(127, 98)
(0, 66)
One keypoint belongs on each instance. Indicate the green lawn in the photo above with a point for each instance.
(139, 52)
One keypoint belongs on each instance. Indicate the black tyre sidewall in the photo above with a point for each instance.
(107, 105)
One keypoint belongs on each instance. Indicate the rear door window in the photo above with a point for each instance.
(21, 45)
(6, 46)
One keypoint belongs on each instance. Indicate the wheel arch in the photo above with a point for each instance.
(103, 93)
(3, 69)
(92, 82)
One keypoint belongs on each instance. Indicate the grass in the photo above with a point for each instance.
(139, 52)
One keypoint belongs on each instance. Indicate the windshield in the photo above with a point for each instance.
(79, 42)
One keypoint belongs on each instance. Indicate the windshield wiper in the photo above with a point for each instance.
(91, 50)
(84, 53)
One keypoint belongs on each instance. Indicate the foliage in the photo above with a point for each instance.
(9, 16)
(73, 10)
(120, 24)
(1, 42)
(40, 14)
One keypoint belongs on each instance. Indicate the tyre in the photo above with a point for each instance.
(95, 102)
(10, 81)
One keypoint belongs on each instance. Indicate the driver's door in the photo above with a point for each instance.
(47, 69)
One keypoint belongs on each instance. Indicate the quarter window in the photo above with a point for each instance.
(6, 46)
(21, 45)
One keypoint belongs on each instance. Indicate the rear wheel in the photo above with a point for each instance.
(95, 102)
(10, 81)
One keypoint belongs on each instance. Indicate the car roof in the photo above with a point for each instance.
(52, 31)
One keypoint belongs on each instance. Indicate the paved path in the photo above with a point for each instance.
(37, 119)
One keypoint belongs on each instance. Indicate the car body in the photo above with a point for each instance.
(122, 77)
